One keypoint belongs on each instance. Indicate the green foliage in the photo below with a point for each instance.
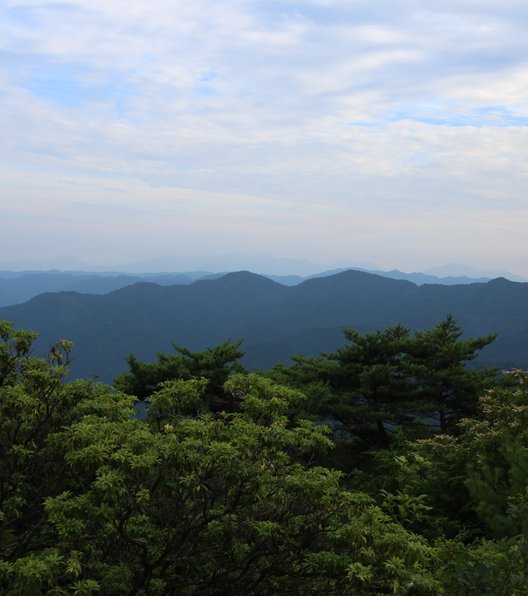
(221, 506)
(498, 471)
(15, 347)
(370, 371)
(35, 406)
(95, 501)
(437, 363)
(486, 568)
(215, 365)
(391, 379)
(476, 483)
(176, 398)
(422, 485)
(203, 499)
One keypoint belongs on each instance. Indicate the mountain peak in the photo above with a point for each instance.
(246, 277)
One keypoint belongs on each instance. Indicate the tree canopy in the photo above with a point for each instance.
(393, 379)
(212, 364)
(203, 499)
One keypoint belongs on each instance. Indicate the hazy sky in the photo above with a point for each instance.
(387, 131)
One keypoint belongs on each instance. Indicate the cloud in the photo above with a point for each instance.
(344, 115)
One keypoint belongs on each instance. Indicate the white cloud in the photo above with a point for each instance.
(296, 120)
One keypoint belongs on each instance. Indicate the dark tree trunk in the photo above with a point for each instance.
(443, 421)
(382, 432)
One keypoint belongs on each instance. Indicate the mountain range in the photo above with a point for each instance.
(19, 287)
(274, 320)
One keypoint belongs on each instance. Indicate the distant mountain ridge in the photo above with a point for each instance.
(458, 270)
(18, 287)
(275, 320)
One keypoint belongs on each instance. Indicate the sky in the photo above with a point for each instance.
(387, 132)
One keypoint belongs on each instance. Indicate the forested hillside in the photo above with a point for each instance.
(19, 287)
(16, 288)
(274, 321)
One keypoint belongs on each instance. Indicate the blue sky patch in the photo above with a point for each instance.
(63, 92)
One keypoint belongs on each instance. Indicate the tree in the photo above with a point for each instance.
(392, 379)
(361, 387)
(437, 364)
(15, 347)
(486, 468)
(372, 371)
(215, 365)
(35, 406)
(95, 501)
(498, 473)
